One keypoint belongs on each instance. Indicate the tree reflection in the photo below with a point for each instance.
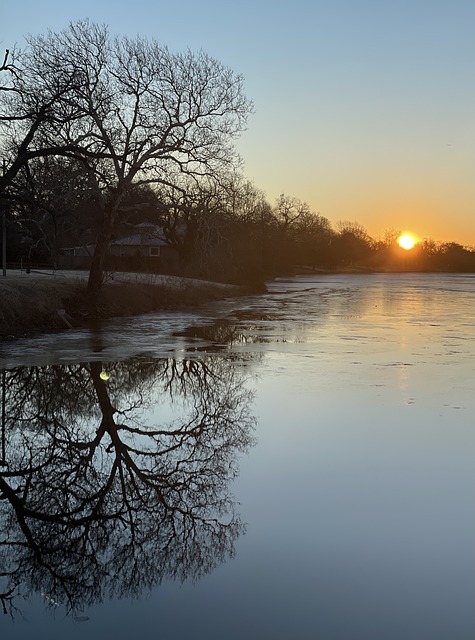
(223, 333)
(99, 497)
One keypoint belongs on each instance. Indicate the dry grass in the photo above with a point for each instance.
(30, 304)
(126, 298)
(28, 307)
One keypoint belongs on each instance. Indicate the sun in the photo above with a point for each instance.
(406, 241)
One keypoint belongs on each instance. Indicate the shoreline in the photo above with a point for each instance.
(47, 302)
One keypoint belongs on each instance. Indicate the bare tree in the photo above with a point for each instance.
(352, 244)
(354, 228)
(287, 210)
(25, 108)
(137, 114)
(52, 206)
(390, 237)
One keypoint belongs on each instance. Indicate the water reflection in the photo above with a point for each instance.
(104, 491)
(222, 333)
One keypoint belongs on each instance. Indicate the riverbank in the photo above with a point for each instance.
(44, 301)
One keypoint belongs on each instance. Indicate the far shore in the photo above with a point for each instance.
(47, 301)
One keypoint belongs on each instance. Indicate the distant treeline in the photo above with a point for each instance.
(231, 233)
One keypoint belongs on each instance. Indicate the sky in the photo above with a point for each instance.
(364, 109)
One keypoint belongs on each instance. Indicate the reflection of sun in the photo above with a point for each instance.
(406, 241)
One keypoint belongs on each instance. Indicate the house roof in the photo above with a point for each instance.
(146, 235)
(138, 240)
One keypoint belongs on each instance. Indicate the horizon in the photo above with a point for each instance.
(365, 113)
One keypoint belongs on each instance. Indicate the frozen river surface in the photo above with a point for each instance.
(297, 465)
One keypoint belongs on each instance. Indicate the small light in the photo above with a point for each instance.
(104, 375)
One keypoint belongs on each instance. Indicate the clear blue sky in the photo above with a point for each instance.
(365, 109)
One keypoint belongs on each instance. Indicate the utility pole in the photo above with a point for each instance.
(4, 241)
(4, 233)
(3, 461)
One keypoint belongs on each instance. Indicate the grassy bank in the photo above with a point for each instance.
(37, 303)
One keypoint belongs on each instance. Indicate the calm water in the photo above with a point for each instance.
(298, 465)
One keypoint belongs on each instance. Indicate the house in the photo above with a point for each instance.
(143, 250)
(147, 240)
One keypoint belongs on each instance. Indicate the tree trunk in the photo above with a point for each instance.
(96, 271)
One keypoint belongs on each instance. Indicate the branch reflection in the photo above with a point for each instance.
(105, 491)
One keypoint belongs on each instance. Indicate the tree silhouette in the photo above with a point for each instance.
(130, 111)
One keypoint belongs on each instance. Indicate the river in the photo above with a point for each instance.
(295, 465)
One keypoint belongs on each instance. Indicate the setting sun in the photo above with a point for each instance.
(406, 241)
